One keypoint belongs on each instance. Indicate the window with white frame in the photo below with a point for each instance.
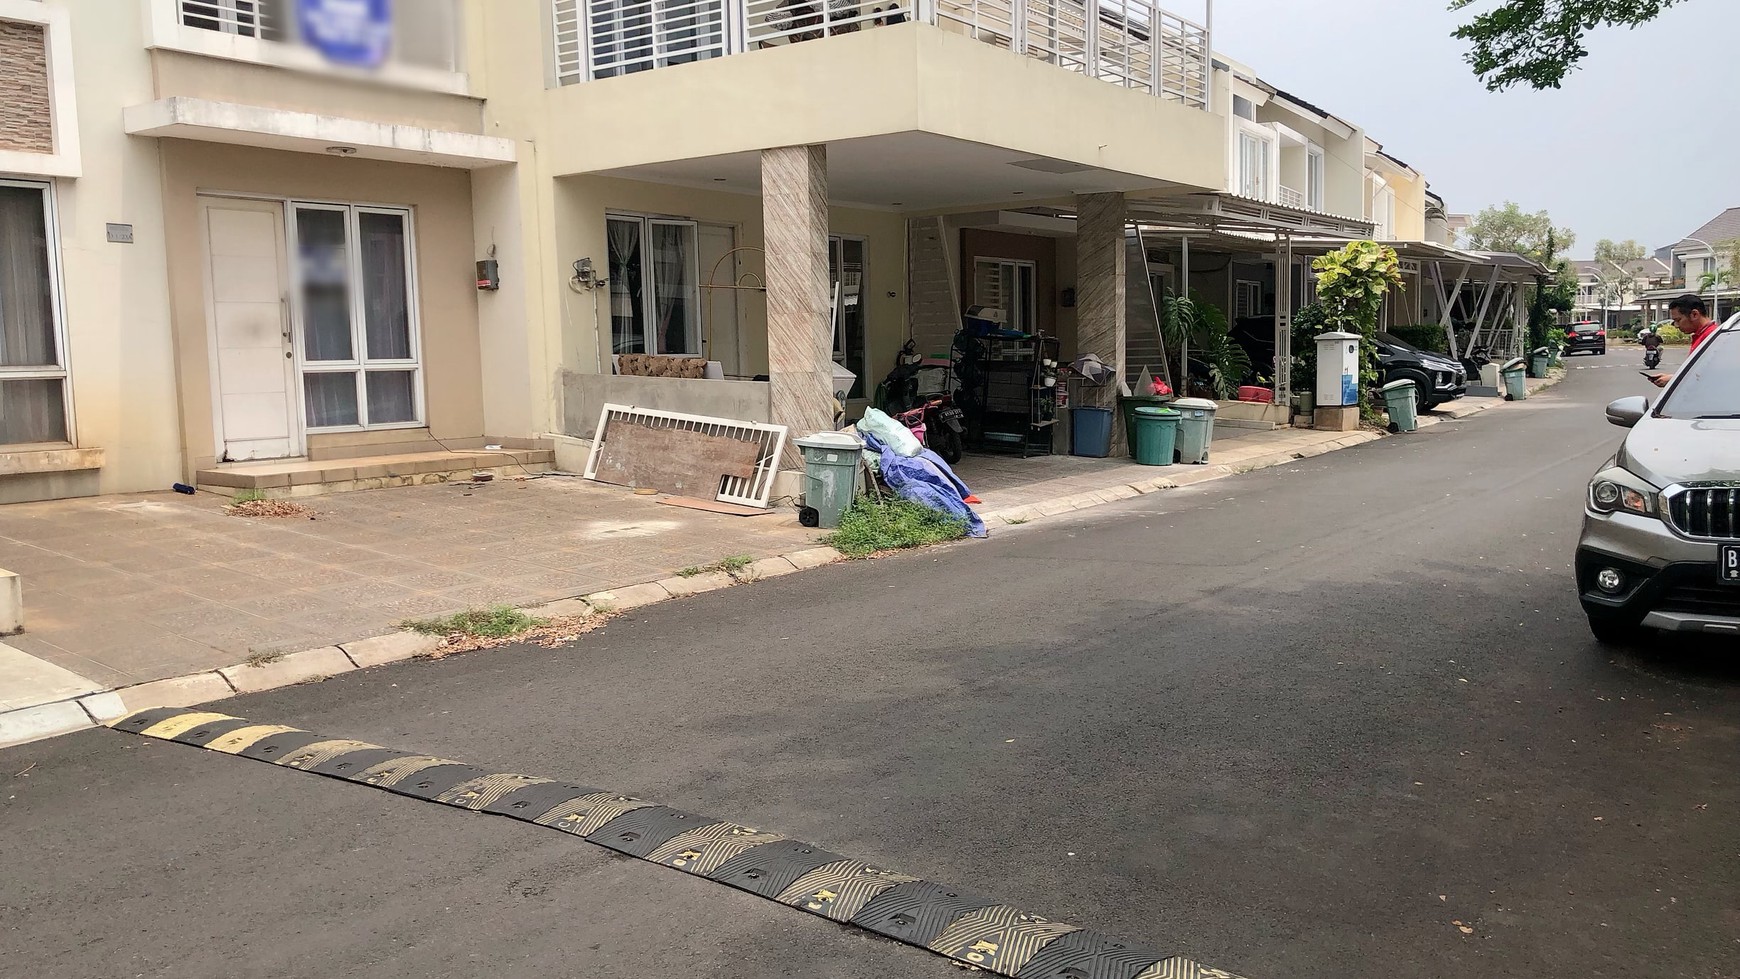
(33, 375)
(655, 295)
(1008, 285)
(360, 362)
(1256, 161)
(1383, 214)
(1247, 299)
(1314, 177)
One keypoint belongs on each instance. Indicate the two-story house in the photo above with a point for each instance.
(1611, 294)
(304, 243)
(1702, 262)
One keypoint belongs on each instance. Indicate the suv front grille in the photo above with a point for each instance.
(1701, 597)
(1708, 512)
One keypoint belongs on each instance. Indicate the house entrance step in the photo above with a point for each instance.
(281, 478)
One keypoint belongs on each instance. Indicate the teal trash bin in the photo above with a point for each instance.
(1127, 405)
(1090, 431)
(831, 461)
(1539, 360)
(1515, 375)
(1399, 399)
(1195, 429)
(1155, 435)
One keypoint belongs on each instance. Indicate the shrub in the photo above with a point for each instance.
(874, 525)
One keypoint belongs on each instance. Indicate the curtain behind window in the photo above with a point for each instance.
(31, 409)
(627, 312)
(674, 292)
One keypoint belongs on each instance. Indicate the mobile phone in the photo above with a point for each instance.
(1649, 374)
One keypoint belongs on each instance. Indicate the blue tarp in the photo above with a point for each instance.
(926, 480)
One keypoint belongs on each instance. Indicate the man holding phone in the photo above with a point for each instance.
(1689, 315)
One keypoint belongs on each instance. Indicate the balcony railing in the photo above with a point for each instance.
(416, 41)
(1290, 197)
(1130, 43)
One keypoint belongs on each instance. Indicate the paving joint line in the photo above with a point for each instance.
(973, 931)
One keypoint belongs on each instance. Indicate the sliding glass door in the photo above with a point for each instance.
(357, 317)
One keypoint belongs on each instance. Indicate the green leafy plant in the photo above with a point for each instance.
(734, 566)
(1352, 283)
(496, 622)
(1308, 322)
(1189, 322)
(247, 496)
(871, 526)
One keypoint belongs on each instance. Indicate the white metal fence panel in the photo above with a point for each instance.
(1183, 60)
(1132, 43)
(754, 490)
(769, 23)
(626, 37)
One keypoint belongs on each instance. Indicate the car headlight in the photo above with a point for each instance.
(1613, 490)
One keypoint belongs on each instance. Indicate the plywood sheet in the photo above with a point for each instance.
(672, 460)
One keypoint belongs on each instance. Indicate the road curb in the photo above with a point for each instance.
(321, 663)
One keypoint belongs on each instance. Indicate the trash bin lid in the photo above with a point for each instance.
(1398, 385)
(1152, 411)
(1515, 364)
(830, 440)
(1203, 403)
(1543, 350)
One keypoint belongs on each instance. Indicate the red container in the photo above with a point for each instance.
(1251, 392)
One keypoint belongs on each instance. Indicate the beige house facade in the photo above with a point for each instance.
(281, 244)
(298, 245)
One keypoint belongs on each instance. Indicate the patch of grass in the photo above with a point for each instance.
(1017, 521)
(247, 496)
(734, 566)
(498, 622)
(872, 526)
(262, 659)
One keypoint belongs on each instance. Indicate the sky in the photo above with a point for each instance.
(1628, 148)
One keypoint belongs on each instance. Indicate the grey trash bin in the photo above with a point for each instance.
(831, 473)
(1515, 374)
(1399, 400)
(1195, 429)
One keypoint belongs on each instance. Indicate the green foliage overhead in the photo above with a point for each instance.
(1538, 42)
(1511, 229)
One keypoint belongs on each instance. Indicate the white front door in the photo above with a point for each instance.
(253, 361)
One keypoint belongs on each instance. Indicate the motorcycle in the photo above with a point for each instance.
(934, 419)
(1652, 352)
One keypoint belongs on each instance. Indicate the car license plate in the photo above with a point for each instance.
(1729, 566)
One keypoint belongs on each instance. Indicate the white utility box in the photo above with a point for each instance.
(1337, 369)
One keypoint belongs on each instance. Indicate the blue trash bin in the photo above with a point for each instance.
(1090, 431)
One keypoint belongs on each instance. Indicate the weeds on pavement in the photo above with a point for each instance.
(872, 526)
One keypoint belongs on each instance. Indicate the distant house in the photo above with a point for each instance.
(1705, 250)
(1598, 295)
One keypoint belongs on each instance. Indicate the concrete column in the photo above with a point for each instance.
(794, 208)
(1100, 262)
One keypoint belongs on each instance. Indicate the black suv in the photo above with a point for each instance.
(1437, 379)
(1586, 336)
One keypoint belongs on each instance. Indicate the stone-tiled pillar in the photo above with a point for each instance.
(794, 210)
(1100, 270)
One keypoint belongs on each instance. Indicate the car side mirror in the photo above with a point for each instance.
(1627, 412)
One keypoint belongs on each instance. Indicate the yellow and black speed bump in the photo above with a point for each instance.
(967, 928)
(767, 871)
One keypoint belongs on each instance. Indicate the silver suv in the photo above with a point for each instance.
(1661, 527)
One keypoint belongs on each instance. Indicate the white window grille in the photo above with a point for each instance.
(425, 33)
(1008, 285)
(1247, 299)
(606, 38)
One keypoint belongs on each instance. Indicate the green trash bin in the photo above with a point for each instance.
(831, 461)
(1155, 434)
(1399, 399)
(1195, 429)
(1539, 360)
(1516, 380)
(1127, 405)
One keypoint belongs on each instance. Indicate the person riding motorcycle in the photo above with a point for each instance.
(1651, 341)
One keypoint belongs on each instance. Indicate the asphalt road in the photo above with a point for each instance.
(1293, 724)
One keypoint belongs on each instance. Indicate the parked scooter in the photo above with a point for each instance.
(935, 420)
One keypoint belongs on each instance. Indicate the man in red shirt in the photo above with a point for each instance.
(1690, 315)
